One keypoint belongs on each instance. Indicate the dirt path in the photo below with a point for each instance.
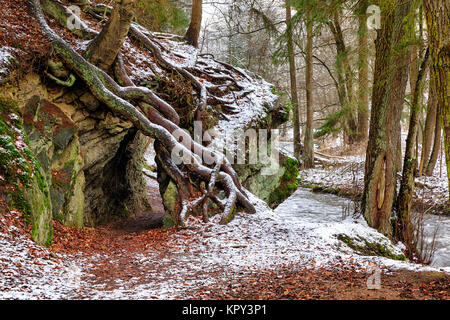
(136, 259)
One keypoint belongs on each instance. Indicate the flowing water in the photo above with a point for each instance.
(323, 208)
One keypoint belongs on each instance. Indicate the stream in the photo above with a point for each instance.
(322, 208)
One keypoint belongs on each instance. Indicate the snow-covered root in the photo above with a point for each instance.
(66, 17)
(106, 90)
(207, 94)
(150, 45)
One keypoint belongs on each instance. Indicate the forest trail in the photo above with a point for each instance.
(127, 260)
(258, 256)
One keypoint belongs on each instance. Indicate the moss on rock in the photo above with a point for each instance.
(371, 247)
(22, 184)
(170, 198)
(288, 182)
(54, 140)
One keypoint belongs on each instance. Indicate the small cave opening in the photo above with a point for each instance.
(129, 197)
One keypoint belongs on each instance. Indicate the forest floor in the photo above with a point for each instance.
(253, 258)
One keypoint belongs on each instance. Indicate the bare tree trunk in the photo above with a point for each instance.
(363, 74)
(436, 144)
(103, 50)
(404, 229)
(430, 123)
(293, 80)
(308, 154)
(438, 28)
(345, 80)
(390, 77)
(193, 32)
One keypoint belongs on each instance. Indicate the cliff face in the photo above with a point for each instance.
(90, 160)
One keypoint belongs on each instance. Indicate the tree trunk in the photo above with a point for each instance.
(193, 32)
(363, 74)
(438, 28)
(293, 80)
(390, 77)
(404, 229)
(436, 144)
(430, 123)
(103, 50)
(345, 80)
(308, 154)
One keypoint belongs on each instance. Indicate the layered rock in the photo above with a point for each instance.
(91, 161)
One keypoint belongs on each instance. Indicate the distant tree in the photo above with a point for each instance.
(293, 82)
(308, 154)
(363, 73)
(344, 77)
(437, 13)
(193, 32)
(430, 124)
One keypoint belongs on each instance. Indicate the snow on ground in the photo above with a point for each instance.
(198, 255)
(28, 271)
(6, 60)
(347, 173)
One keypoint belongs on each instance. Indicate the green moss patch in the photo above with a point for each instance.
(288, 183)
(370, 248)
(22, 185)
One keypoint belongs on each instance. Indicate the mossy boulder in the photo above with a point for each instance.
(276, 179)
(381, 246)
(54, 140)
(288, 182)
(22, 183)
(170, 199)
(273, 181)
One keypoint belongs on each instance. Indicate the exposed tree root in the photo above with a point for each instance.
(149, 44)
(146, 117)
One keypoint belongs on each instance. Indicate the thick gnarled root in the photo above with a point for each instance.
(157, 119)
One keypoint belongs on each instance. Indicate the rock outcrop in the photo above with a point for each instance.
(91, 161)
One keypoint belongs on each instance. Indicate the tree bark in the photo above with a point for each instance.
(308, 154)
(436, 144)
(404, 229)
(388, 92)
(293, 82)
(103, 50)
(430, 124)
(437, 14)
(193, 32)
(363, 74)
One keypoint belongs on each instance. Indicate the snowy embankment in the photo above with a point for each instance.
(7, 61)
